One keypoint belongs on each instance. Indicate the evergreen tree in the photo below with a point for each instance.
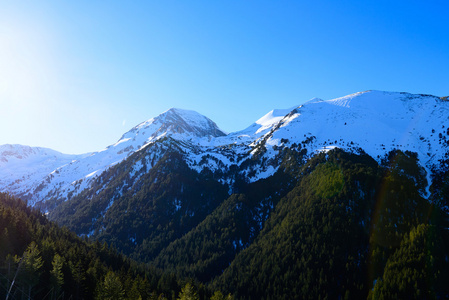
(219, 296)
(111, 288)
(56, 275)
(188, 292)
(31, 265)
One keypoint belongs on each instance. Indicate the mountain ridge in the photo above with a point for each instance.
(75, 173)
(375, 121)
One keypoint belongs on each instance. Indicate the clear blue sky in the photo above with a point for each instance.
(75, 75)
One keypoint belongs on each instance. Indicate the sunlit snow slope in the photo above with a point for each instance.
(374, 121)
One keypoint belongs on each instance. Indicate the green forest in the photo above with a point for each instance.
(337, 226)
(40, 260)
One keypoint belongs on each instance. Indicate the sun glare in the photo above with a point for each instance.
(25, 64)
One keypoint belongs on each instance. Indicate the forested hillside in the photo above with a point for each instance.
(351, 229)
(141, 213)
(340, 225)
(40, 260)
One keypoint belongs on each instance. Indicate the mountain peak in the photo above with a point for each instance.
(177, 122)
(181, 121)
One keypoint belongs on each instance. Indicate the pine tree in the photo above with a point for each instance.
(188, 293)
(56, 275)
(31, 267)
(111, 288)
(219, 296)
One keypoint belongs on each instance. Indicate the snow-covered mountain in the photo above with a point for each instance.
(23, 166)
(36, 174)
(373, 121)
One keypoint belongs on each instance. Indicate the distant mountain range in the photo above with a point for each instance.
(360, 174)
(373, 121)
